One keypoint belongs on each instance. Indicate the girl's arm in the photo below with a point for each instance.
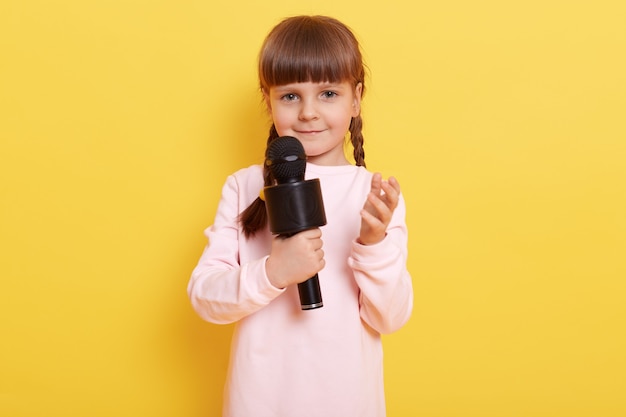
(379, 258)
(221, 289)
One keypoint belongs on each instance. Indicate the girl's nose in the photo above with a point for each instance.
(308, 111)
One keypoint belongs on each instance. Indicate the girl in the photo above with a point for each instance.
(327, 362)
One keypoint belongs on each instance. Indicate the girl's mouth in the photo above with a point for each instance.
(309, 132)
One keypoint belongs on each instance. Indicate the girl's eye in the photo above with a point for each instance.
(329, 94)
(290, 97)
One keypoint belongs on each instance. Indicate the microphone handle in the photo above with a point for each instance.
(310, 293)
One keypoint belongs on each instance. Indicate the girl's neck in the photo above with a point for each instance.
(324, 160)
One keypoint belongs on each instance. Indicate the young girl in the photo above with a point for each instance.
(285, 361)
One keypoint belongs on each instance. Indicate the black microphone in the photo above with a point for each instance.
(293, 204)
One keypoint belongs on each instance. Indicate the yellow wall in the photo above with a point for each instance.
(504, 121)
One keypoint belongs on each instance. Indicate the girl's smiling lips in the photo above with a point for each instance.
(309, 132)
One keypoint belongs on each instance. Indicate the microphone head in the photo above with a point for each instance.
(286, 159)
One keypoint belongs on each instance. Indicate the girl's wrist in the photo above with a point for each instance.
(370, 242)
(271, 277)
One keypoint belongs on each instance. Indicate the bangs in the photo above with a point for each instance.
(312, 50)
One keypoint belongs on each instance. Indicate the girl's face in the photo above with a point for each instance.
(318, 114)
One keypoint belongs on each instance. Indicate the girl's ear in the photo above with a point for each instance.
(356, 105)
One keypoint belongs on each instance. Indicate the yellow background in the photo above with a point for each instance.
(505, 122)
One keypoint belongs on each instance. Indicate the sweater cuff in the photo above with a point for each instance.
(374, 257)
(258, 283)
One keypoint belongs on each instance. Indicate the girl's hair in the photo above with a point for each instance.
(307, 49)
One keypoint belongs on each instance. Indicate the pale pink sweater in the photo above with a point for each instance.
(286, 362)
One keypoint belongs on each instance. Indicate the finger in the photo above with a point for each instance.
(369, 219)
(383, 211)
(391, 195)
(376, 183)
(395, 184)
(392, 184)
(316, 244)
(373, 223)
(314, 233)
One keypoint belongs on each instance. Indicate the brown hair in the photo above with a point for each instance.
(307, 49)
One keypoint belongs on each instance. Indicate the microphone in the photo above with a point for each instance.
(293, 204)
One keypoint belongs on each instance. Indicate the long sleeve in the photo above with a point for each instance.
(224, 287)
(386, 291)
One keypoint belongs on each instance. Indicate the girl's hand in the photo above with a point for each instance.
(295, 259)
(378, 209)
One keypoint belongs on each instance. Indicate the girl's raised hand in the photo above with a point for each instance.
(378, 209)
(295, 259)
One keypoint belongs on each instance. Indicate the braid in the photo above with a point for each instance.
(254, 218)
(356, 137)
(268, 178)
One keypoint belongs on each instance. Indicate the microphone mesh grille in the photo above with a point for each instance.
(286, 159)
